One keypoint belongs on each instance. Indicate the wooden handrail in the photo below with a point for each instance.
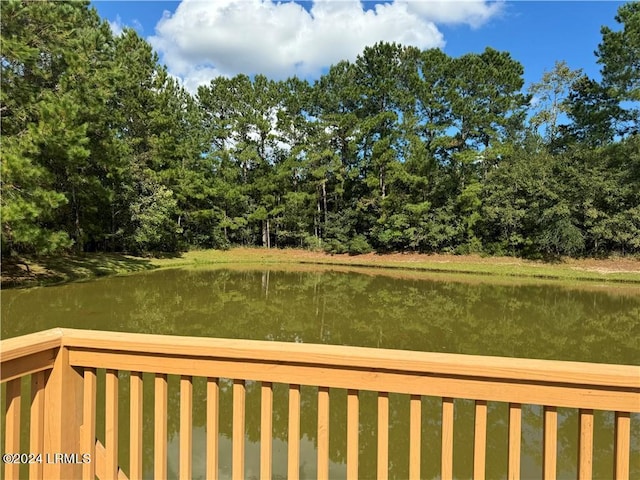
(557, 383)
(28, 354)
(372, 359)
(64, 363)
(26, 345)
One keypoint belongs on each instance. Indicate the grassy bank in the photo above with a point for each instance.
(69, 268)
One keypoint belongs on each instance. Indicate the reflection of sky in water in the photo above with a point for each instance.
(308, 458)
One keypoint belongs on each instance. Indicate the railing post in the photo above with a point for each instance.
(63, 420)
(12, 433)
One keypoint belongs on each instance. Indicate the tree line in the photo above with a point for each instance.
(399, 150)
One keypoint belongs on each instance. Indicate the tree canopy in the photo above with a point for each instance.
(400, 149)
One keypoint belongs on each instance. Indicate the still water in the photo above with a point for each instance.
(407, 311)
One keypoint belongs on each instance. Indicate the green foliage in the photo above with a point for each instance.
(398, 150)
(43, 129)
(619, 55)
(548, 97)
(359, 245)
(559, 236)
(28, 201)
(152, 215)
(594, 113)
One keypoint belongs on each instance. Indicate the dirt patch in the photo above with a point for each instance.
(613, 265)
(610, 265)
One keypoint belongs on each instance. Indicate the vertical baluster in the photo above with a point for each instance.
(515, 429)
(585, 444)
(213, 395)
(352, 433)
(323, 433)
(88, 439)
(294, 433)
(447, 438)
(186, 424)
(415, 427)
(135, 425)
(550, 448)
(480, 440)
(266, 429)
(160, 426)
(237, 462)
(12, 426)
(383, 435)
(111, 424)
(621, 445)
(36, 440)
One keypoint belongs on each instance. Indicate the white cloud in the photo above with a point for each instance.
(197, 75)
(471, 12)
(116, 26)
(204, 39)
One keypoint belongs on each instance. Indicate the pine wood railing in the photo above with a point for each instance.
(62, 366)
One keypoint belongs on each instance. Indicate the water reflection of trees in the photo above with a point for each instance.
(541, 321)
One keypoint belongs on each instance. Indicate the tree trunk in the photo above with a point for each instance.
(324, 202)
(266, 235)
(317, 220)
(76, 212)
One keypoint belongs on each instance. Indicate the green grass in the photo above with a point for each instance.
(86, 266)
(504, 267)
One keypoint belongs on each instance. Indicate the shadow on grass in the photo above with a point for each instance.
(164, 255)
(29, 272)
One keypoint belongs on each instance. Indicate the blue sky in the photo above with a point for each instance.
(200, 39)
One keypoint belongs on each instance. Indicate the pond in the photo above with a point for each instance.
(373, 308)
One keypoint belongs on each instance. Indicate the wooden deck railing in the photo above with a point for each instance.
(62, 364)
